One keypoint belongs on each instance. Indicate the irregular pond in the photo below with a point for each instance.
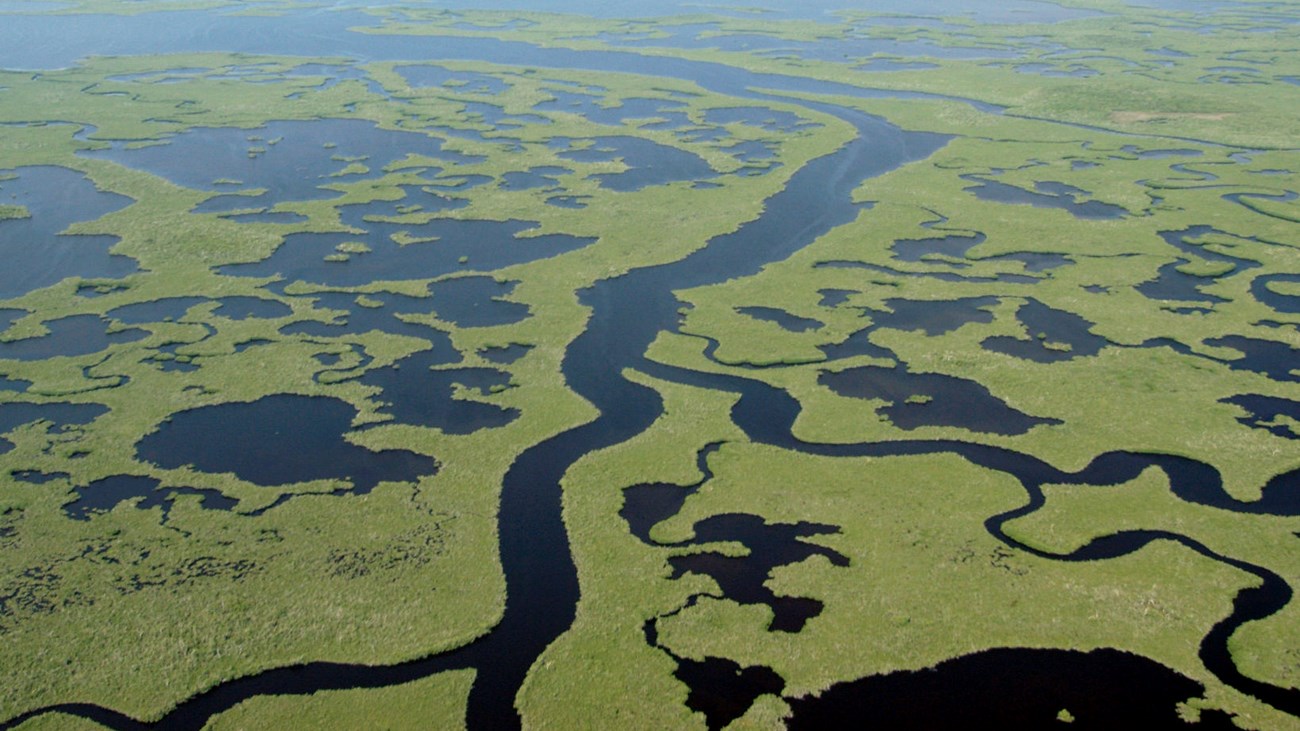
(859, 343)
(416, 199)
(333, 74)
(1175, 285)
(379, 313)
(649, 163)
(166, 309)
(721, 689)
(743, 579)
(36, 253)
(1171, 284)
(934, 317)
(10, 384)
(1054, 336)
(33, 477)
(835, 297)
(1278, 361)
(595, 110)
(412, 393)
(1265, 412)
(1045, 195)
(61, 416)
(1181, 240)
(1034, 262)
(538, 177)
(291, 160)
(955, 246)
(103, 495)
(568, 201)
(278, 440)
(69, 337)
(440, 247)
(476, 302)
(772, 120)
(1161, 152)
(505, 354)
(424, 76)
(930, 399)
(787, 321)
(751, 151)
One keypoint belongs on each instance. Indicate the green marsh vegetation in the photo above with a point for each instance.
(1154, 311)
(190, 596)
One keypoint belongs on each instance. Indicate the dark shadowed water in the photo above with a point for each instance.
(1012, 689)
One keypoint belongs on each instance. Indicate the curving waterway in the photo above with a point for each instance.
(627, 313)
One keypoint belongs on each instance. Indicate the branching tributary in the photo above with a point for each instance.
(627, 313)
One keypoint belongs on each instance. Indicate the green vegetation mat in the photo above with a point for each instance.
(1107, 261)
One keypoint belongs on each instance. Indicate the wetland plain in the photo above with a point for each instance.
(649, 365)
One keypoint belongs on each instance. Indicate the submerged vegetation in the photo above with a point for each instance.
(282, 329)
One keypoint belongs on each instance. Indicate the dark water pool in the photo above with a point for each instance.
(648, 162)
(411, 393)
(930, 399)
(69, 337)
(35, 251)
(423, 76)
(444, 246)
(787, 321)
(103, 495)
(934, 317)
(1054, 336)
(159, 310)
(595, 109)
(1262, 412)
(291, 160)
(1045, 195)
(278, 440)
(505, 354)
(342, 315)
